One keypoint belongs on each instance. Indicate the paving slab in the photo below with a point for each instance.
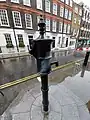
(63, 104)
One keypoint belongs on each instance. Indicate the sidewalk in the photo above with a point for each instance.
(67, 101)
(21, 54)
(13, 55)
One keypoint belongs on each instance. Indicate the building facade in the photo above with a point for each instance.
(19, 19)
(76, 22)
(84, 36)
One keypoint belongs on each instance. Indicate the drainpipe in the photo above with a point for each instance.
(63, 23)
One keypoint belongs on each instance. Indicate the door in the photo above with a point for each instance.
(53, 44)
(30, 38)
(67, 42)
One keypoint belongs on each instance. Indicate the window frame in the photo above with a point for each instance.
(49, 24)
(65, 28)
(66, 13)
(70, 3)
(70, 15)
(26, 21)
(54, 11)
(37, 4)
(47, 10)
(61, 8)
(60, 26)
(68, 28)
(80, 11)
(6, 17)
(15, 1)
(9, 43)
(67, 2)
(62, 0)
(19, 42)
(76, 9)
(14, 19)
(54, 25)
(27, 4)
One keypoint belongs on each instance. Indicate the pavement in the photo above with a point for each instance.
(67, 101)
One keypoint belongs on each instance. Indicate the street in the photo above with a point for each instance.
(16, 68)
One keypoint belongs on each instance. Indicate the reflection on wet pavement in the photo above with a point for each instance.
(16, 68)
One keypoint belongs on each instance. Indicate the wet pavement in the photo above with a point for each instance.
(68, 95)
(16, 68)
(12, 92)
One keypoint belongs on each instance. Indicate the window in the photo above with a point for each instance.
(47, 5)
(74, 32)
(76, 9)
(72, 43)
(71, 3)
(65, 28)
(61, 11)
(75, 20)
(8, 41)
(68, 29)
(54, 8)
(80, 12)
(79, 21)
(28, 19)
(17, 19)
(38, 20)
(63, 39)
(66, 13)
(62, 0)
(67, 2)
(48, 37)
(47, 24)
(20, 40)
(60, 26)
(70, 15)
(15, 1)
(54, 26)
(59, 40)
(3, 18)
(39, 4)
(26, 2)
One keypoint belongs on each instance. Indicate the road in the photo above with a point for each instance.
(13, 69)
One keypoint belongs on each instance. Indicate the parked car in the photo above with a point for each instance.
(81, 51)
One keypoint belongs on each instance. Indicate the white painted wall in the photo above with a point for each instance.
(3, 40)
(26, 41)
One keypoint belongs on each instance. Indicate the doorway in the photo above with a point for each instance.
(30, 38)
(67, 42)
(53, 44)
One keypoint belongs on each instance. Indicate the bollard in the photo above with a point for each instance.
(86, 59)
(44, 88)
(41, 48)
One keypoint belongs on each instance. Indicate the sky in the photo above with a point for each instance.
(87, 2)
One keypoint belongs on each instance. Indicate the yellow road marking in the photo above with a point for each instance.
(15, 82)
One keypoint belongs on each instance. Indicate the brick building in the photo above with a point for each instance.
(19, 18)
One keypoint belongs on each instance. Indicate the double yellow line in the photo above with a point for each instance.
(15, 82)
